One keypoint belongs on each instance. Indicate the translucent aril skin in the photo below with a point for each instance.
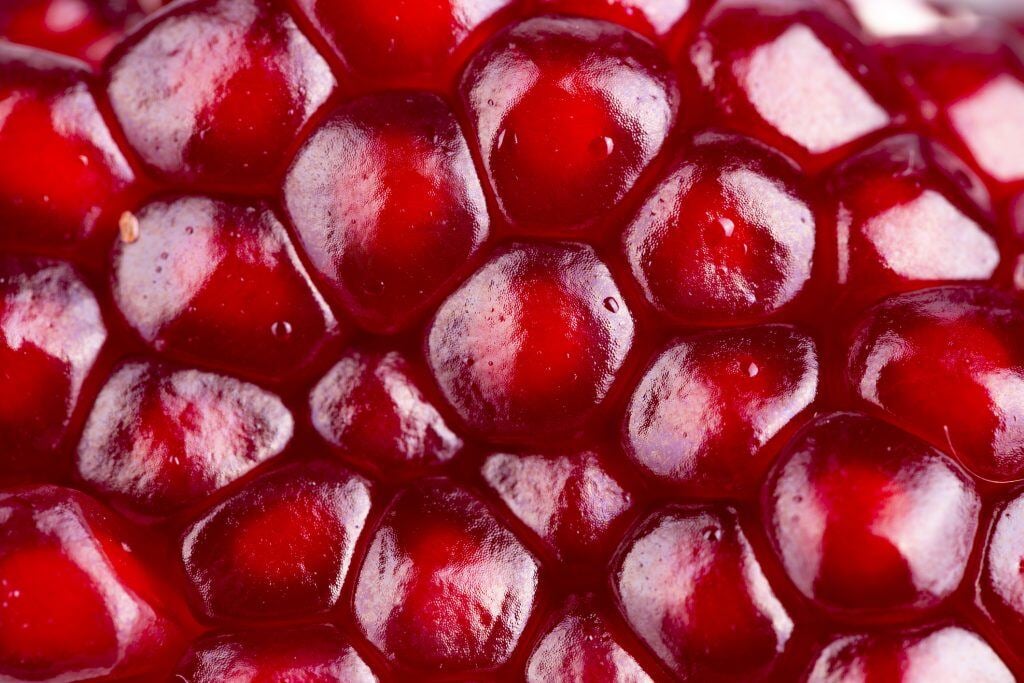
(869, 522)
(566, 113)
(62, 174)
(51, 336)
(160, 438)
(220, 282)
(76, 603)
(383, 186)
(311, 654)
(491, 341)
(727, 237)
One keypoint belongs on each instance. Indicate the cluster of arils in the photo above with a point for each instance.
(492, 340)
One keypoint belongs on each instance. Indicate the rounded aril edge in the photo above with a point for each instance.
(580, 645)
(76, 604)
(908, 214)
(372, 408)
(279, 548)
(408, 44)
(61, 173)
(444, 587)
(652, 18)
(219, 283)
(703, 414)
(792, 74)
(571, 501)
(161, 438)
(382, 189)
(948, 365)
(726, 237)
(951, 654)
(86, 29)
(869, 522)
(1001, 581)
(567, 113)
(304, 654)
(689, 585)
(530, 345)
(51, 335)
(212, 93)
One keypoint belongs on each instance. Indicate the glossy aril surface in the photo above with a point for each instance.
(383, 186)
(444, 586)
(407, 43)
(505, 341)
(947, 653)
(309, 654)
(910, 214)
(793, 74)
(868, 520)
(727, 237)
(219, 282)
(688, 583)
(281, 547)
(75, 602)
(182, 90)
(60, 168)
(944, 363)
(580, 646)
(371, 407)
(973, 94)
(705, 410)
(160, 437)
(531, 343)
(571, 501)
(589, 106)
(51, 334)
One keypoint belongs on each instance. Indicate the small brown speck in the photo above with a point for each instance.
(129, 226)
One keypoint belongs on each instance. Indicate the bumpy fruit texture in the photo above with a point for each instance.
(558, 341)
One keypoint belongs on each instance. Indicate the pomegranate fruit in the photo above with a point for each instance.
(557, 341)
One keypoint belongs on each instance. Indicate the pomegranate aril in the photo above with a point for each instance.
(380, 189)
(404, 43)
(302, 654)
(530, 345)
(948, 364)
(61, 173)
(653, 18)
(908, 214)
(279, 548)
(444, 587)
(161, 438)
(950, 654)
(688, 583)
(213, 92)
(75, 602)
(571, 501)
(727, 237)
(706, 409)
(592, 106)
(1001, 584)
(580, 646)
(219, 283)
(51, 334)
(373, 409)
(86, 29)
(868, 521)
(792, 74)
(971, 86)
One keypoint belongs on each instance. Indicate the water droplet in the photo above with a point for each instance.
(753, 370)
(727, 226)
(164, 255)
(712, 533)
(602, 146)
(282, 329)
(611, 304)
(189, 230)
